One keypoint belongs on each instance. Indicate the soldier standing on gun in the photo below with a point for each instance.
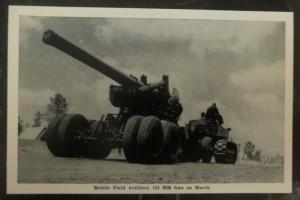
(175, 107)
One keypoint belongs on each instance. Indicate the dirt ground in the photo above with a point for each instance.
(37, 165)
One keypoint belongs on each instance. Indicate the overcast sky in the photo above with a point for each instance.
(237, 64)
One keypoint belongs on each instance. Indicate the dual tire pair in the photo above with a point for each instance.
(63, 138)
(147, 140)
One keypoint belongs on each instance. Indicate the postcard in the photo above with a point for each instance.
(140, 101)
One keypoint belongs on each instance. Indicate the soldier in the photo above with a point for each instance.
(174, 105)
(212, 113)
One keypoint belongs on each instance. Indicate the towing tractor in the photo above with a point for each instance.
(207, 139)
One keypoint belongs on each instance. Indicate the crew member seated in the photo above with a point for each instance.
(175, 107)
(213, 115)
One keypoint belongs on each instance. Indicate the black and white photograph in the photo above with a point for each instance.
(149, 101)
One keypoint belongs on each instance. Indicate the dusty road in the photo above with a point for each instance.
(37, 165)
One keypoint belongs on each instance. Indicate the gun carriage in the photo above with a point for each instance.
(138, 126)
(145, 126)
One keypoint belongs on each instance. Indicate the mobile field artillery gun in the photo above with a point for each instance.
(146, 125)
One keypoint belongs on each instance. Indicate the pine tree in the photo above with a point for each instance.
(58, 105)
(249, 150)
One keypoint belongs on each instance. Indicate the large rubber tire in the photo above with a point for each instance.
(98, 149)
(63, 140)
(206, 149)
(191, 151)
(196, 153)
(191, 154)
(150, 139)
(171, 142)
(130, 138)
(220, 159)
(51, 137)
(231, 154)
(192, 127)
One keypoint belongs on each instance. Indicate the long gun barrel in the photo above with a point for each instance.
(52, 39)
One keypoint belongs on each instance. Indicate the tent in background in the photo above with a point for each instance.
(34, 133)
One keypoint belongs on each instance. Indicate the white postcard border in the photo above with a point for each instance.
(13, 187)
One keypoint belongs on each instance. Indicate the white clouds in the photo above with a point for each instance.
(260, 78)
(180, 29)
(32, 23)
(29, 24)
(233, 36)
(91, 100)
(268, 102)
(260, 92)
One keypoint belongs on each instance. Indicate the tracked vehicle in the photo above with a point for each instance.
(207, 139)
(145, 127)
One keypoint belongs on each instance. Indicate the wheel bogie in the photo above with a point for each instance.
(71, 128)
(62, 134)
(148, 140)
(145, 139)
(72, 135)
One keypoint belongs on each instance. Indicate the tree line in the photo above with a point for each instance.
(58, 105)
(250, 152)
